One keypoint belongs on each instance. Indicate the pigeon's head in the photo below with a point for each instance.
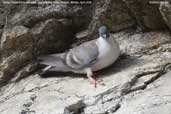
(103, 32)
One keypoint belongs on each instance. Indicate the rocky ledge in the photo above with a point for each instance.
(137, 83)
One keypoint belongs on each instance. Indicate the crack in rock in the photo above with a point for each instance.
(111, 97)
(27, 106)
(127, 87)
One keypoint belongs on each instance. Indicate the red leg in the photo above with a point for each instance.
(93, 80)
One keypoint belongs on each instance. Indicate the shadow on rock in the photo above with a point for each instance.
(122, 63)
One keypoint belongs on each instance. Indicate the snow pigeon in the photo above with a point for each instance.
(85, 58)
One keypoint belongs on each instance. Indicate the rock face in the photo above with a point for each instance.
(40, 31)
(3, 12)
(57, 24)
(137, 83)
(20, 44)
(53, 35)
(165, 10)
(134, 84)
(16, 46)
(16, 39)
(154, 99)
(147, 15)
(122, 14)
(115, 14)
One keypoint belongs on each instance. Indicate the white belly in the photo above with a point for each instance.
(109, 52)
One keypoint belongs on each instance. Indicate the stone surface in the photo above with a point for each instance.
(53, 35)
(115, 14)
(16, 39)
(165, 10)
(147, 15)
(13, 63)
(16, 50)
(122, 14)
(3, 14)
(31, 30)
(28, 17)
(139, 43)
(20, 45)
(138, 75)
(155, 99)
(1, 33)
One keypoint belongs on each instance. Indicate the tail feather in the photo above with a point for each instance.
(56, 61)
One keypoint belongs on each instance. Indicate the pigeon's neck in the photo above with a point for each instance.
(101, 38)
(102, 42)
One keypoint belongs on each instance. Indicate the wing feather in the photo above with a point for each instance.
(83, 55)
(77, 58)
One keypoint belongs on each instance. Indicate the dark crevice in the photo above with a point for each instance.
(77, 108)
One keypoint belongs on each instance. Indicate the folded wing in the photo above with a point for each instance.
(83, 56)
(77, 58)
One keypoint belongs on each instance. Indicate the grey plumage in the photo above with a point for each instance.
(56, 61)
(82, 56)
(77, 58)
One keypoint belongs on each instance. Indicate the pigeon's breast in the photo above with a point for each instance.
(108, 53)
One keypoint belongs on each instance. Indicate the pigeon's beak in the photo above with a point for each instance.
(106, 36)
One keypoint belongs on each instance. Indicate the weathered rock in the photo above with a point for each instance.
(80, 15)
(138, 43)
(137, 77)
(53, 35)
(16, 50)
(147, 15)
(13, 63)
(35, 31)
(116, 16)
(21, 44)
(165, 10)
(113, 13)
(144, 61)
(3, 14)
(119, 15)
(17, 39)
(1, 33)
(25, 71)
(155, 98)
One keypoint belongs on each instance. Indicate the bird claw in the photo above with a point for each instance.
(97, 82)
